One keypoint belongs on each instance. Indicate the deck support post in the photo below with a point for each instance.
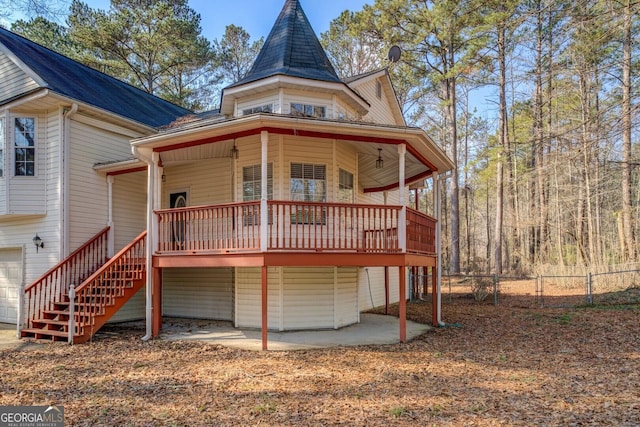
(386, 289)
(402, 312)
(157, 302)
(438, 271)
(264, 308)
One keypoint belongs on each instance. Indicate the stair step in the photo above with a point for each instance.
(42, 333)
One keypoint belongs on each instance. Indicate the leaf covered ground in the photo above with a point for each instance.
(490, 366)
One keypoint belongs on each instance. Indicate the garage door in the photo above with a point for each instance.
(10, 279)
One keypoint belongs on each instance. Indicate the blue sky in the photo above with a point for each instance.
(257, 16)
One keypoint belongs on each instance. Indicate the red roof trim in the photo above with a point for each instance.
(393, 186)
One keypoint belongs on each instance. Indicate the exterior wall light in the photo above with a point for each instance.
(379, 162)
(38, 242)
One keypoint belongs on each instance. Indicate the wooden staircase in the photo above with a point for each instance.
(55, 307)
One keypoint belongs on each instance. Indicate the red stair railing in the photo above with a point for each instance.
(98, 292)
(74, 269)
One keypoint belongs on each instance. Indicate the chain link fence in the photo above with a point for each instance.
(610, 285)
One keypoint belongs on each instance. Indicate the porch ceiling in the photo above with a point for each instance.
(214, 139)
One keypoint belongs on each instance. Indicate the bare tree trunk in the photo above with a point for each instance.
(455, 190)
(627, 222)
(501, 152)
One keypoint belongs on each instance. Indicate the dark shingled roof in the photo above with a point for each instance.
(292, 49)
(79, 82)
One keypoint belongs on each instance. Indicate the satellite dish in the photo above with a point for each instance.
(394, 54)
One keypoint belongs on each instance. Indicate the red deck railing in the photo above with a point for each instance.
(421, 232)
(293, 226)
(74, 269)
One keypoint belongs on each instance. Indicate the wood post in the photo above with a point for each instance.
(264, 308)
(386, 290)
(403, 304)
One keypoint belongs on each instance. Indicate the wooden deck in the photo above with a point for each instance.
(288, 233)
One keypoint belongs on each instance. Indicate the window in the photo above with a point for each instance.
(1, 147)
(308, 184)
(261, 109)
(379, 89)
(345, 187)
(306, 110)
(25, 146)
(251, 182)
(252, 190)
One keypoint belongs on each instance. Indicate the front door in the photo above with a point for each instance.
(179, 200)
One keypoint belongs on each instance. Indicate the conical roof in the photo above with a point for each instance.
(292, 49)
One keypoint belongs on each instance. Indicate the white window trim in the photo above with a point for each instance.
(11, 138)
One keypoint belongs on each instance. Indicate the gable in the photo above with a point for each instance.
(377, 89)
(14, 81)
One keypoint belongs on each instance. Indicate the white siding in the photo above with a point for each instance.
(14, 81)
(129, 207)
(202, 293)
(296, 96)
(272, 98)
(88, 204)
(132, 310)
(248, 298)
(379, 112)
(10, 282)
(27, 193)
(251, 154)
(371, 287)
(346, 297)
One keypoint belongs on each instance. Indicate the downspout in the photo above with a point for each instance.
(64, 184)
(148, 158)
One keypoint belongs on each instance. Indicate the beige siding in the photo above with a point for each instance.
(133, 310)
(206, 182)
(202, 293)
(371, 287)
(251, 154)
(248, 302)
(14, 81)
(129, 207)
(88, 204)
(346, 297)
(308, 298)
(379, 112)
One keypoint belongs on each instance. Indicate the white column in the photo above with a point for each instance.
(402, 234)
(438, 215)
(264, 209)
(111, 236)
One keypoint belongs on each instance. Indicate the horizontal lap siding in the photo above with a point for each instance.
(248, 298)
(14, 81)
(371, 287)
(308, 298)
(88, 204)
(129, 207)
(199, 293)
(207, 182)
(346, 301)
(379, 112)
(27, 194)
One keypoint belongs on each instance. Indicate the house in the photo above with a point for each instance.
(328, 236)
